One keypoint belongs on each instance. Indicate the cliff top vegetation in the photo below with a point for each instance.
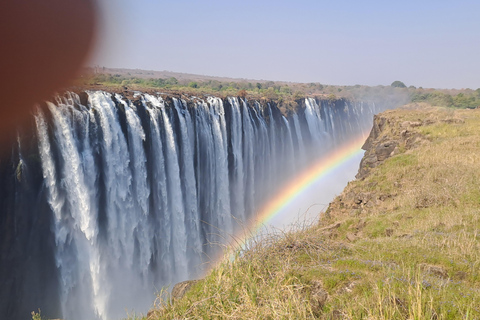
(284, 93)
(401, 242)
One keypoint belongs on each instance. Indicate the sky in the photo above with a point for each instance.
(424, 43)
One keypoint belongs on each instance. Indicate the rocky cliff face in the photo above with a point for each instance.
(385, 140)
(394, 132)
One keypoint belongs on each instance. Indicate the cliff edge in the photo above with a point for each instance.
(400, 242)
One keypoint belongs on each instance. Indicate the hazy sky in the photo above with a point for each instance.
(422, 43)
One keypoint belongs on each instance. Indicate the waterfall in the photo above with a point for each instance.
(138, 193)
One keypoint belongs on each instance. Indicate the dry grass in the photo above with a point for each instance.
(410, 252)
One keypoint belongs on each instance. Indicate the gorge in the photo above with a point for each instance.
(106, 198)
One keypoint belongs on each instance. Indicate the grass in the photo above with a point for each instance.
(412, 253)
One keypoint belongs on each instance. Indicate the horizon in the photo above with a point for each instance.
(226, 78)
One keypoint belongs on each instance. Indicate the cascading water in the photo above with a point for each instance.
(113, 198)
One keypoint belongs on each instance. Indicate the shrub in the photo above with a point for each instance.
(398, 84)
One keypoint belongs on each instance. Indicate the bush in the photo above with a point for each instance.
(398, 84)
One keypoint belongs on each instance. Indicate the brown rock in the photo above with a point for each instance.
(336, 225)
(152, 314)
(360, 225)
(385, 149)
(395, 151)
(434, 270)
(332, 235)
(354, 212)
(338, 315)
(318, 296)
(181, 288)
(351, 237)
(461, 275)
(388, 232)
(349, 287)
(454, 120)
(415, 123)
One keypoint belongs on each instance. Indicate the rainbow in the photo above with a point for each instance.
(297, 186)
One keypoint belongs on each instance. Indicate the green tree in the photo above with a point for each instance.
(298, 95)
(398, 84)
(172, 80)
(242, 93)
(438, 98)
(463, 101)
(270, 94)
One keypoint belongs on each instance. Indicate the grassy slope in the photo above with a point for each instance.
(401, 244)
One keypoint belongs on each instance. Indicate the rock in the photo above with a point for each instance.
(412, 124)
(294, 245)
(332, 235)
(181, 288)
(385, 149)
(460, 275)
(152, 314)
(362, 198)
(332, 226)
(354, 212)
(453, 120)
(318, 296)
(347, 288)
(384, 197)
(429, 122)
(351, 237)
(360, 225)
(434, 270)
(338, 315)
(378, 126)
(389, 138)
(395, 151)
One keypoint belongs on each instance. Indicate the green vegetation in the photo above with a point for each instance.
(285, 93)
(408, 250)
(466, 99)
(37, 316)
(398, 84)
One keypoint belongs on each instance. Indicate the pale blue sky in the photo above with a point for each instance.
(422, 43)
